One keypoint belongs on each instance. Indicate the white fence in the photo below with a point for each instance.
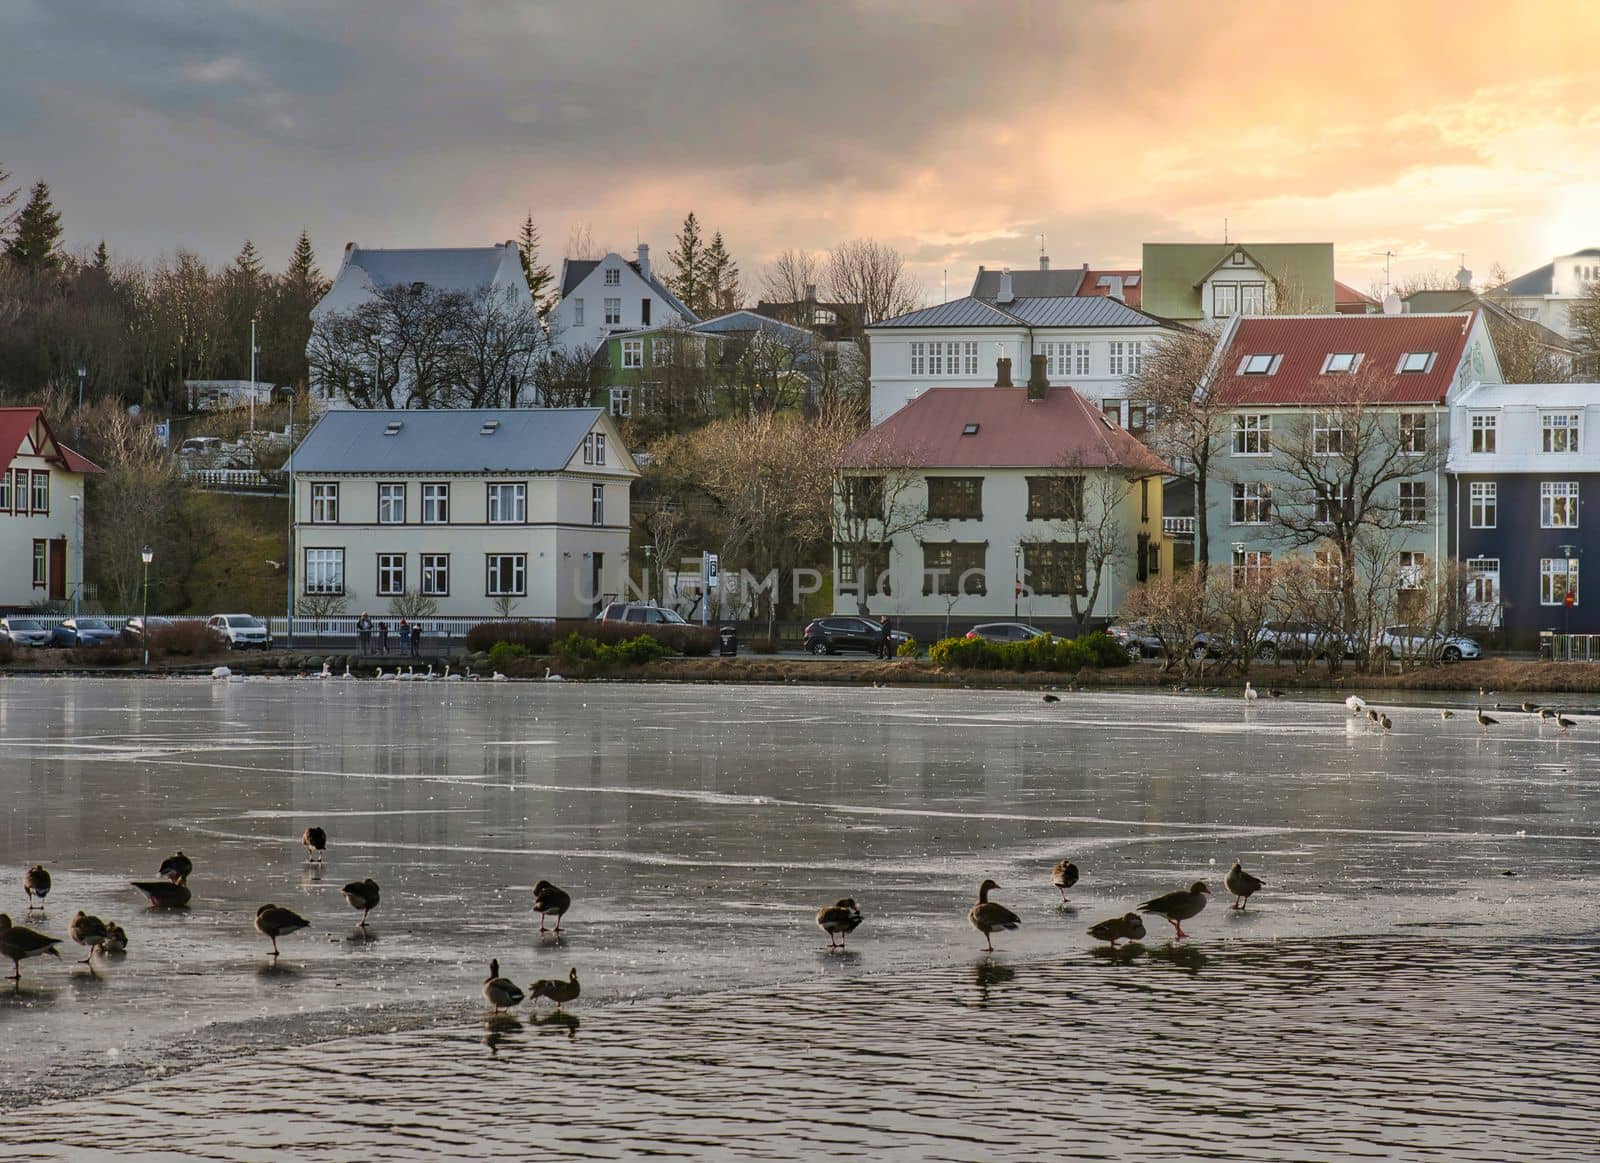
(1178, 526)
(245, 479)
(307, 630)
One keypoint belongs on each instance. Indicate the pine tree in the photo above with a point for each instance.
(38, 233)
(536, 271)
(102, 258)
(688, 260)
(722, 290)
(303, 275)
(248, 263)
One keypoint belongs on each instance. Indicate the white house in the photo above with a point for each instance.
(1546, 295)
(602, 296)
(1198, 282)
(41, 512)
(522, 511)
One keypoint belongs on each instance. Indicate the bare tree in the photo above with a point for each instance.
(1584, 319)
(872, 275)
(1241, 607)
(581, 245)
(136, 502)
(1177, 608)
(1085, 504)
(668, 528)
(566, 378)
(771, 368)
(879, 495)
(413, 604)
(790, 277)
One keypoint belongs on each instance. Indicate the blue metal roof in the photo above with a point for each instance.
(445, 440)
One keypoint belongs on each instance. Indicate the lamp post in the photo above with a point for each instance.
(254, 351)
(649, 553)
(1016, 588)
(77, 419)
(146, 555)
(77, 552)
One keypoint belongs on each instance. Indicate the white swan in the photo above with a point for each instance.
(347, 673)
(497, 677)
(548, 677)
(430, 676)
(326, 672)
(448, 677)
(220, 673)
(1250, 695)
(387, 677)
(1355, 704)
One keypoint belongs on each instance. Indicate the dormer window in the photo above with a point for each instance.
(1260, 365)
(969, 430)
(1417, 361)
(613, 277)
(1238, 258)
(1341, 363)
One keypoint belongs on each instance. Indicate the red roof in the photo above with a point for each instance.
(1090, 286)
(1301, 345)
(17, 424)
(1349, 301)
(1011, 432)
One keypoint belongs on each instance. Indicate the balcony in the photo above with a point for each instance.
(1178, 528)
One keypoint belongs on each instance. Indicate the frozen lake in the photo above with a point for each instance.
(1392, 992)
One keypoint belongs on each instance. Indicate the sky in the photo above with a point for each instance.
(956, 132)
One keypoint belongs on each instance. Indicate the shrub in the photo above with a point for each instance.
(635, 651)
(575, 645)
(1046, 653)
(541, 637)
(501, 654)
(184, 640)
(910, 648)
(8, 650)
(101, 655)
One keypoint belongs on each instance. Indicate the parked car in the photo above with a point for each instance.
(133, 630)
(83, 632)
(24, 631)
(200, 447)
(1005, 632)
(641, 612)
(241, 631)
(1300, 640)
(829, 635)
(1137, 639)
(1421, 642)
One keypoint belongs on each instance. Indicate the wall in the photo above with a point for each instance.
(18, 533)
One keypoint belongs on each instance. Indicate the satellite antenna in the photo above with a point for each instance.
(1387, 256)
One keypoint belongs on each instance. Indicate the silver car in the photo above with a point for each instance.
(24, 631)
(1422, 642)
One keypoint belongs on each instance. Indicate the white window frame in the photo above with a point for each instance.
(919, 358)
(1558, 504)
(1080, 358)
(436, 503)
(435, 575)
(392, 497)
(613, 277)
(1252, 298)
(633, 353)
(1118, 358)
(1413, 494)
(1251, 564)
(577, 312)
(1224, 307)
(1341, 363)
(1252, 503)
(391, 575)
(1411, 567)
(1413, 433)
(1324, 427)
(507, 495)
(1258, 364)
(660, 351)
(1135, 356)
(1483, 506)
(969, 358)
(1479, 570)
(613, 309)
(495, 582)
(597, 505)
(621, 401)
(1327, 503)
(1551, 569)
(1485, 433)
(324, 572)
(1413, 362)
(1560, 431)
(599, 447)
(324, 502)
(1252, 434)
(1327, 569)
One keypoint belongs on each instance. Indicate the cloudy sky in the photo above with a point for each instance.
(958, 132)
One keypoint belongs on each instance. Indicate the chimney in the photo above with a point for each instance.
(1002, 373)
(1044, 262)
(1114, 287)
(1005, 294)
(811, 292)
(644, 261)
(1037, 383)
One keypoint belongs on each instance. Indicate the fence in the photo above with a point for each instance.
(1178, 526)
(307, 630)
(240, 479)
(1569, 647)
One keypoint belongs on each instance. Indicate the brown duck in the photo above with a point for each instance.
(498, 991)
(1064, 875)
(176, 868)
(1179, 906)
(363, 895)
(839, 918)
(164, 894)
(558, 991)
(36, 883)
(18, 943)
(547, 898)
(88, 931)
(273, 921)
(316, 843)
(1241, 884)
(1128, 927)
(987, 917)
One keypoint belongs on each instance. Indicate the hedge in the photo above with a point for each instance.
(542, 637)
(1045, 653)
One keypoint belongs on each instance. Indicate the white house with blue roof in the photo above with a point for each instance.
(601, 297)
(1548, 294)
(485, 511)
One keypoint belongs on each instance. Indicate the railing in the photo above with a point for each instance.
(1569, 647)
(344, 626)
(237, 478)
(1178, 526)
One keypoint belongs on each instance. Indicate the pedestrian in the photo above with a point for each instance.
(416, 640)
(883, 643)
(383, 636)
(364, 632)
(405, 636)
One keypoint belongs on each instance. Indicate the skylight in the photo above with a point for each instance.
(1257, 365)
(1131, 281)
(489, 427)
(1103, 281)
(970, 430)
(393, 427)
(1417, 361)
(1341, 363)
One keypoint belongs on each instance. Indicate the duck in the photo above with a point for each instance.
(273, 921)
(558, 991)
(18, 943)
(176, 868)
(1372, 716)
(838, 919)
(1241, 884)
(1485, 721)
(1385, 722)
(552, 677)
(88, 931)
(1064, 875)
(164, 894)
(1050, 698)
(987, 916)
(1355, 704)
(498, 991)
(1250, 695)
(116, 941)
(363, 895)
(1179, 906)
(1447, 714)
(315, 841)
(36, 883)
(547, 898)
(1564, 723)
(1128, 927)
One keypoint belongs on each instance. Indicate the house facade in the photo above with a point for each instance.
(1523, 461)
(1547, 294)
(482, 511)
(601, 297)
(997, 502)
(41, 512)
(1199, 282)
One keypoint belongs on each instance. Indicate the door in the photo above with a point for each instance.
(58, 570)
(596, 572)
(1483, 592)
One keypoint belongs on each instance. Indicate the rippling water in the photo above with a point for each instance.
(1329, 1049)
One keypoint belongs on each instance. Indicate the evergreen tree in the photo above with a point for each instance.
(34, 246)
(303, 275)
(534, 269)
(248, 263)
(688, 278)
(102, 258)
(722, 290)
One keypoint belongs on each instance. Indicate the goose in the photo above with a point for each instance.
(363, 895)
(89, 932)
(176, 868)
(839, 918)
(1385, 722)
(315, 841)
(273, 922)
(1128, 927)
(1064, 875)
(1241, 884)
(1447, 714)
(1050, 698)
(1250, 695)
(1564, 723)
(497, 677)
(547, 898)
(549, 677)
(1372, 716)
(221, 673)
(987, 916)
(1546, 714)
(499, 992)
(116, 941)
(1485, 721)
(1179, 906)
(1529, 708)
(1355, 704)
(18, 943)
(1274, 693)
(164, 894)
(558, 991)
(36, 883)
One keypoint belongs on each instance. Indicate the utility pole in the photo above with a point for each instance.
(254, 351)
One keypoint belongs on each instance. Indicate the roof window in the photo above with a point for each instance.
(1341, 363)
(1417, 361)
(1103, 281)
(970, 430)
(392, 428)
(1131, 281)
(1260, 365)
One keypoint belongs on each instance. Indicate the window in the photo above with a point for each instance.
(613, 276)
(1055, 498)
(1558, 577)
(1251, 567)
(508, 504)
(954, 567)
(599, 447)
(847, 566)
(1413, 432)
(1484, 426)
(1111, 411)
(613, 312)
(1483, 586)
(5, 492)
(41, 491)
(41, 564)
(863, 498)
(1237, 258)
(324, 503)
(1252, 503)
(633, 353)
(577, 312)
(919, 359)
(1138, 417)
(1560, 431)
(324, 571)
(436, 504)
(1252, 298)
(955, 498)
(391, 504)
(1056, 567)
(436, 574)
(1135, 357)
(597, 505)
(1558, 504)
(946, 359)
(1124, 358)
(1327, 569)
(1252, 434)
(1413, 502)
(1485, 504)
(391, 574)
(622, 401)
(20, 492)
(1057, 359)
(1334, 505)
(1257, 365)
(1224, 299)
(644, 312)
(1341, 363)
(1411, 570)
(660, 352)
(506, 575)
(1327, 435)
(1416, 361)
(588, 449)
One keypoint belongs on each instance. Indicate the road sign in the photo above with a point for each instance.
(164, 432)
(1569, 601)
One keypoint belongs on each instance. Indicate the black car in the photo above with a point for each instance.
(133, 630)
(829, 635)
(83, 632)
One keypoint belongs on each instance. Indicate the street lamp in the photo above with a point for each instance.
(254, 351)
(77, 420)
(649, 552)
(77, 554)
(146, 555)
(1016, 589)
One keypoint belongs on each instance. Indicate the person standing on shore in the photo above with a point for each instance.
(416, 640)
(383, 636)
(364, 632)
(405, 636)
(883, 644)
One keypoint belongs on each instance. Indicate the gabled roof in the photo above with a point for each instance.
(1100, 282)
(1054, 311)
(745, 321)
(1173, 272)
(1305, 341)
(1046, 284)
(462, 268)
(452, 440)
(17, 424)
(1456, 301)
(1540, 281)
(968, 312)
(1063, 429)
(1348, 300)
(575, 270)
